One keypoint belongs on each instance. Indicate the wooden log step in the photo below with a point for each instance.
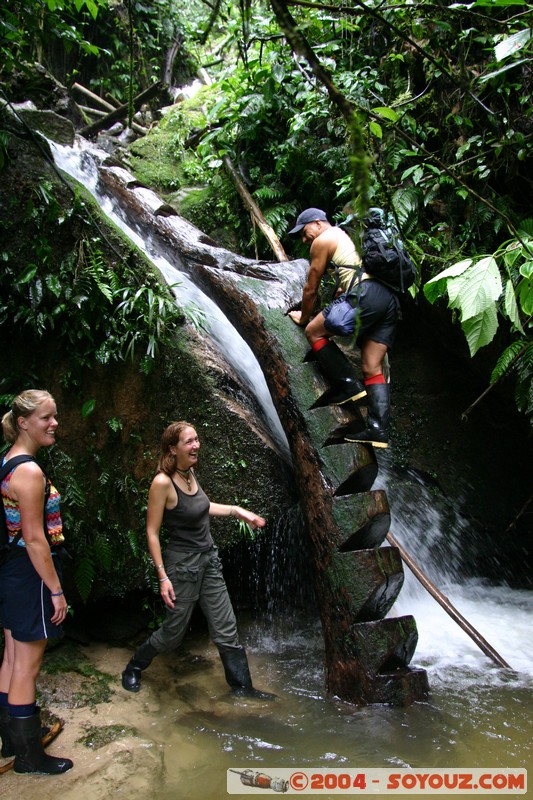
(383, 645)
(401, 687)
(363, 518)
(369, 581)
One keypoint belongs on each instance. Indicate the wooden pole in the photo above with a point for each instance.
(447, 606)
(255, 211)
(95, 97)
(121, 112)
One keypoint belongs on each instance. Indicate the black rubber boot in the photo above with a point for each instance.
(141, 659)
(30, 756)
(8, 748)
(337, 369)
(339, 434)
(377, 423)
(237, 672)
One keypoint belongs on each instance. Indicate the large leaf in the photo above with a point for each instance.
(512, 44)
(480, 330)
(386, 113)
(524, 292)
(477, 289)
(526, 269)
(511, 308)
(453, 271)
(437, 286)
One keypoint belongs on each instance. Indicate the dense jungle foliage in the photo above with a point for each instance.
(422, 108)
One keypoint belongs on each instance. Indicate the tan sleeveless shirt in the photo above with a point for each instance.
(347, 260)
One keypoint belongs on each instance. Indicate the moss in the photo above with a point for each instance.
(69, 677)
(67, 657)
(155, 162)
(100, 736)
(161, 159)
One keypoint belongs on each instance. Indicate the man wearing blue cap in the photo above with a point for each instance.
(376, 311)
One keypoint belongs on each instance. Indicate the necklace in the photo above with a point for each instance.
(186, 475)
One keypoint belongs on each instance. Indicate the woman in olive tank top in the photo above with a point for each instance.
(190, 570)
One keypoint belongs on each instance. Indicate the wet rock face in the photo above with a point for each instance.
(118, 443)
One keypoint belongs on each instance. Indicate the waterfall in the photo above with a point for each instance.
(432, 534)
(81, 163)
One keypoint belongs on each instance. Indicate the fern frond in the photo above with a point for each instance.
(103, 551)
(133, 542)
(507, 359)
(84, 574)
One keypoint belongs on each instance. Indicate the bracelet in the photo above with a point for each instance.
(159, 566)
(162, 580)
(57, 594)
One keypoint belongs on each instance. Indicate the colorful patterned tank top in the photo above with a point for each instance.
(54, 523)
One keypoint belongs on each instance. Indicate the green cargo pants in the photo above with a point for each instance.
(196, 578)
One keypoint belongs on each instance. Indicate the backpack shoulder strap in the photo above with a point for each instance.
(11, 463)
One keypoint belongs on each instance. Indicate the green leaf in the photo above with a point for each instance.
(376, 129)
(387, 113)
(278, 71)
(451, 272)
(512, 44)
(477, 289)
(84, 574)
(506, 359)
(480, 330)
(524, 293)
(28, 274)
(511, 307)
(526, 269)
(88, 408)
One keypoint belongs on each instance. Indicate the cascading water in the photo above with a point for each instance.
(478, 715)
(80, 163)
(434, 536)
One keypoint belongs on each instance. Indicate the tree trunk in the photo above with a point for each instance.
(121, 112)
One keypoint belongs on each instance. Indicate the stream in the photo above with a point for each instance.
(478, 714)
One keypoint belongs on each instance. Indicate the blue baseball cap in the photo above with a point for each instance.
(307, 216)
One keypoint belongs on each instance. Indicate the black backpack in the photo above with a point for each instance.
(7, 548)
(384, 256)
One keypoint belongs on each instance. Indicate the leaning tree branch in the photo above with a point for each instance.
(255, 211)
(301, 47)
(377, 15)
(360, 158)
(489, 388)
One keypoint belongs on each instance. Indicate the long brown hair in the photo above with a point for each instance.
(24, 405)
(171, 435)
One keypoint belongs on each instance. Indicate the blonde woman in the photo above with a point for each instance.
(32, 602)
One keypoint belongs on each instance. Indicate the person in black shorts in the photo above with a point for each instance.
(375, 315)
(32, 602)
(190, 572)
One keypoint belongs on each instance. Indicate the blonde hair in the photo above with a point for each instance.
(170, 437)
(24, 405)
